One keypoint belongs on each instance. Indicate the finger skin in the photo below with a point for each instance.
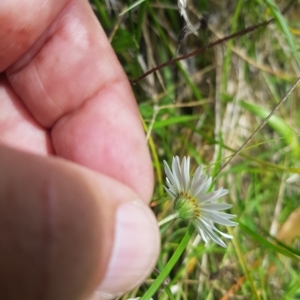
(65, 93)
(17, 127)
(49, 236)
(71, 82)
(57, 236)
(18, 30)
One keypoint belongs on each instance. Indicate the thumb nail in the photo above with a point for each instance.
(135, 250)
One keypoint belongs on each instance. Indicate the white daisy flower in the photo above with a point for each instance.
(192, 202)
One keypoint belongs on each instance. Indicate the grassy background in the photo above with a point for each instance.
(206, 107)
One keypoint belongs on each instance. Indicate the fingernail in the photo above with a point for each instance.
(135, 250)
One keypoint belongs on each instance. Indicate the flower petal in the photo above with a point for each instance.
(228, 236)
(204, 184)
(170, 192)
(214, 217)
(196, 181)
(208, 231)
(177, 172)
(185, 169)
(215, 206)
(214, 195)
(171, 177)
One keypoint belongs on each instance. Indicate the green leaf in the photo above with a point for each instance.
(124, 40)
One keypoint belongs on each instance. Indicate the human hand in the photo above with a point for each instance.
(76, 175)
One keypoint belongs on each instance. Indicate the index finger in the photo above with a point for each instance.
(72, 83)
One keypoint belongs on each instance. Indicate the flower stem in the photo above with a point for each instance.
(168, 219)
(169, 266)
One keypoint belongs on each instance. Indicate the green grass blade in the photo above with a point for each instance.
(155, 160)
(277, 123)
(169, 293)
(170, 264)
(133, 5)
(284, 27)
(102, 13)
(173, 121)
(264, 242)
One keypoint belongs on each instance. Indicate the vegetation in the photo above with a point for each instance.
(207, 107)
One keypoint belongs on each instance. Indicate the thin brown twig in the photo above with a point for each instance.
(211, 45)
(201, 50)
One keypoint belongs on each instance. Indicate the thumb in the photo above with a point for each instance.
(66, 232)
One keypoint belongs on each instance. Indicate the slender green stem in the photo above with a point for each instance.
(168, 219)
(170, 264)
